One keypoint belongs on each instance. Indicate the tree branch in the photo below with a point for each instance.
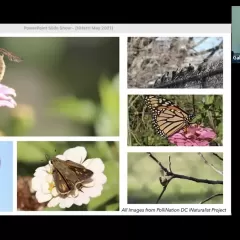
(213, 196)
(174, 175)
(161, 194)
(220, 158)
(211, 165)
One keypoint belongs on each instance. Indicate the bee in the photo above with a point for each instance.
(12, 57)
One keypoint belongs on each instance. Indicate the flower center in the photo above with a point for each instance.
(51, 185)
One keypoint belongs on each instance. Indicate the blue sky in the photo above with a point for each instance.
(209, 43)
(6, 176)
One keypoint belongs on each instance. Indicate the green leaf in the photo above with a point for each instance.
(107, 125)
(28, 152)
(108, 120)
(53, 209)
(112, 207)
(209, 99)
(46, 147)
(101, 200)
(110, 188)
(79, 110)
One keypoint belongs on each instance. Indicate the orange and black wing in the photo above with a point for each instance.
(167, 117)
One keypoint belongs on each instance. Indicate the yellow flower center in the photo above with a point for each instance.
(51, 186)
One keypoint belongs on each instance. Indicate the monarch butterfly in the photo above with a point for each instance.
(167, 117)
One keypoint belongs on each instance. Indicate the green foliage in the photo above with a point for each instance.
(104, 116)
(143, 178)
(72, 86)
(31, 155)
(208, 111)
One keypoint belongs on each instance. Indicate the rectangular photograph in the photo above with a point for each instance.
(175, 120)
(68, 176)
(59, 86)
(175, 178)
(6, 176)
(175, 62)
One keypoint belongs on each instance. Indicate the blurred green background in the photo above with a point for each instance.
(208, 110)
(66, 86)
(31, 155)
(144, 186)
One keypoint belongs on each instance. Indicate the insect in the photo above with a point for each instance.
(69, 175)
(12, 57)
(167, 117)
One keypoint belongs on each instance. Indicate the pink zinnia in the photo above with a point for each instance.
(195, 136)
(6, 99)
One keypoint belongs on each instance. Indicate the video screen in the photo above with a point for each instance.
(235, 34)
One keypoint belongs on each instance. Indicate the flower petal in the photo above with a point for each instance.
(41, 197)
(10, 104)
(61, 157)
(99, 178)
(49, 178)
(40, 172)
(54, 192)
(7, 90)
(48, 168)
(54, 202)
(36, 184)
(45, 188)
(66, 202)
(82, 198)
(94, 164)
(93, 191)
(77, 154)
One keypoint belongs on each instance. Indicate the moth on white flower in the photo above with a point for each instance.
(45, 181)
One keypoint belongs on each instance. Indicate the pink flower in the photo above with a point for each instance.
(195, 136)
(6, 99)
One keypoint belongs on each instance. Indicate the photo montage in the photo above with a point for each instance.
(63, 87)
(189, 120)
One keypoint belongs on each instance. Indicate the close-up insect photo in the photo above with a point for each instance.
(175, 120)
(50, 82)
(76, 176)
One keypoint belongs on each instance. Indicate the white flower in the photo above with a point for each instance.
(44, 185)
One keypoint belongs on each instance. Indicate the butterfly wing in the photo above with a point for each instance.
(168, 122)
(155, 103)
(81, 172)
(167, 117)
(62, 186)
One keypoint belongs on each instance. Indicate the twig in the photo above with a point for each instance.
(169, 175)
(193, 103)
(209, 164)
(198, 43)
(220, 158)
(161, 194)
(174, 175)
(211, 50)
(131, 102)
(213, 196)
(169, 164)
(135, 137)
